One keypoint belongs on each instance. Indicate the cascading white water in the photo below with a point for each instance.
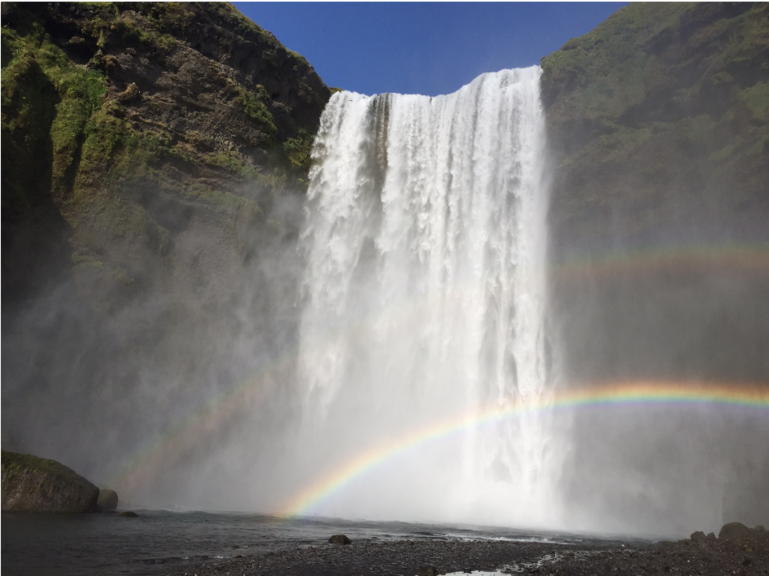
(424, 299)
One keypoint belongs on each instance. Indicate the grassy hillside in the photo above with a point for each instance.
(659, 120)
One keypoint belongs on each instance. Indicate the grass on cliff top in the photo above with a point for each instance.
(14, 463)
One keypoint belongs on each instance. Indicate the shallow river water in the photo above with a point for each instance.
(161, 541)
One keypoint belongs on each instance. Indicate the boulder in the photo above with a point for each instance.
(107, 500)
(129, 514)
(33, 484)
(339, 539)
(698, 537)
(734, 531)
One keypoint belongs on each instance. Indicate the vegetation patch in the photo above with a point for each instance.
(298, 150)
(92, 2)
(757, 99)
(255, 108)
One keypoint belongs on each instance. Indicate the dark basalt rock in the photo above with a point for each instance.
(33, 484)
(107, 500)
(737, 532)
(129, 514)
(698, 537)
(339, 539)
(8, 10)
(733, 531)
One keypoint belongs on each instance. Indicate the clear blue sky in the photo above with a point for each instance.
(423, 48)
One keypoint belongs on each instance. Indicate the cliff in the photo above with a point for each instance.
(125, 124)
(152, 155)
(658, 123)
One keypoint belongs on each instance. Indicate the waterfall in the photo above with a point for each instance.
(424, 301)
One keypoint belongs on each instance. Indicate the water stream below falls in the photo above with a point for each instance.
(423, 307)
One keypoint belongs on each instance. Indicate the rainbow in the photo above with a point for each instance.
(184, 434)
(732, 257)
(642, 393)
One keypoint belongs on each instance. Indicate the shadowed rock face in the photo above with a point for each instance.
(32, 484)
(658, 123)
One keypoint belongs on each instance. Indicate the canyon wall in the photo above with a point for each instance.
(658, 122)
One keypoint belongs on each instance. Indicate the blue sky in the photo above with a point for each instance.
(423, 48)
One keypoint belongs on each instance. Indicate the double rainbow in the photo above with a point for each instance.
(644, 393)
(184, 434)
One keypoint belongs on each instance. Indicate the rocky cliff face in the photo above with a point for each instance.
(154, 157)
(658, 123)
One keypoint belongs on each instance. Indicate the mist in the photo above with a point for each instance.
(237, 379)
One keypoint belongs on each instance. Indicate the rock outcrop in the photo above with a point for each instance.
(32, 484)
(107, 500)
(738, 532)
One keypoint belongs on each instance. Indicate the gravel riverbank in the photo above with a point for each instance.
(744, 556)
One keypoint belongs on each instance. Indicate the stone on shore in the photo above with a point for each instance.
(129, 514)
(339, 539)
(698, 537)
(107, 500)
(734, 531)
(33, 484)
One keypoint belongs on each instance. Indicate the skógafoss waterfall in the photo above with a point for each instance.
(423, 304)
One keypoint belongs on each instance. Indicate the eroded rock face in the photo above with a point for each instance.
(32, 484)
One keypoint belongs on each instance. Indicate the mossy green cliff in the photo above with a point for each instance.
(659, 120)
(658, 123)
(114, 112)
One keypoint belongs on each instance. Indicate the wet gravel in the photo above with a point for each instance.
(407, 558)
(404, 557)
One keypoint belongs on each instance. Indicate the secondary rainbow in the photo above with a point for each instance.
(184, 433)
(630, 393)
